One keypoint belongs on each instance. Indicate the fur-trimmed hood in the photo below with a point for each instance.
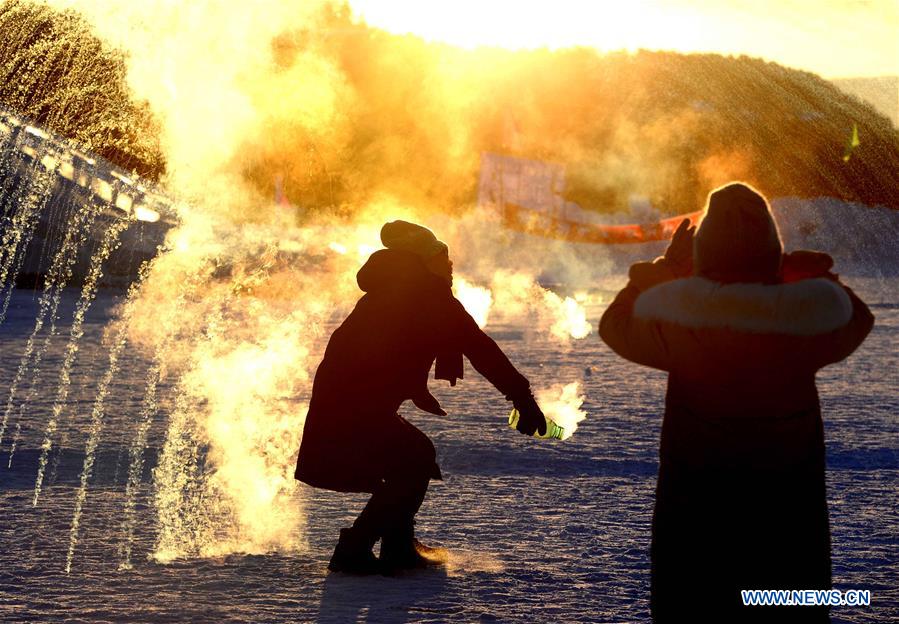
(805, 308)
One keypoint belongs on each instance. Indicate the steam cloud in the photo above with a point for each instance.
(236, 312)
(562, 403)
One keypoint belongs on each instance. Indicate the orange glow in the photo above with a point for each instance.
(515, 25)
(833, 39)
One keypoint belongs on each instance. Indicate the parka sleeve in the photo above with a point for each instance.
(486, 356)
(634, 339)
(839, 344)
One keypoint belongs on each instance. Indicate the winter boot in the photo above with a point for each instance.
(401, 551)
(353, 554)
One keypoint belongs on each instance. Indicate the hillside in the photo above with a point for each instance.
(348, 114)
(412, 118)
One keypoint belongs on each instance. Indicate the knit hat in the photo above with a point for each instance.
(413, 238)
(737, 240)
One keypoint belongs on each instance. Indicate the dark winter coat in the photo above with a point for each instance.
(380, 357)
(740, 499)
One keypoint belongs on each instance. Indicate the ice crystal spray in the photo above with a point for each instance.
(552, 429)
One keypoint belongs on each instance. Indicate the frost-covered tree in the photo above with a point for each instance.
(58, 74)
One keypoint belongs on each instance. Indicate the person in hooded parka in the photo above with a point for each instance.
(353, 439)
(741, 329)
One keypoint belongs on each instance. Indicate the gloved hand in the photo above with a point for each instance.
(679, 255)
(676, 263)
(532, 418)
(804, 264)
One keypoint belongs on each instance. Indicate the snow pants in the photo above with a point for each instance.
(408, 460)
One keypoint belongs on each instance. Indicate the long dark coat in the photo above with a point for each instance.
(740, 499)
(380, 357)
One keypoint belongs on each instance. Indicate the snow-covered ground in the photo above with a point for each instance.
(538, 530)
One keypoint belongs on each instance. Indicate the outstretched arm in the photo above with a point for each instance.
(490, 361)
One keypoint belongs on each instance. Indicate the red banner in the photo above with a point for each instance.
(541, 224)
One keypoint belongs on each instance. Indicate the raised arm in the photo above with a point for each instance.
(640, 340)
(635, 339)
(840, 343)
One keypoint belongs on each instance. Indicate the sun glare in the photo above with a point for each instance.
(821, 37)
(515, 25)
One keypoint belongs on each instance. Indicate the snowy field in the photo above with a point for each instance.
(538, 530)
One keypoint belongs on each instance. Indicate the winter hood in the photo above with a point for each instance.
(389, 269)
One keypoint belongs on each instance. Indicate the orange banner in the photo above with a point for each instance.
(540, 223)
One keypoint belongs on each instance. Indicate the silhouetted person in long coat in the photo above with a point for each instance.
(354, 440)
(741, 330)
